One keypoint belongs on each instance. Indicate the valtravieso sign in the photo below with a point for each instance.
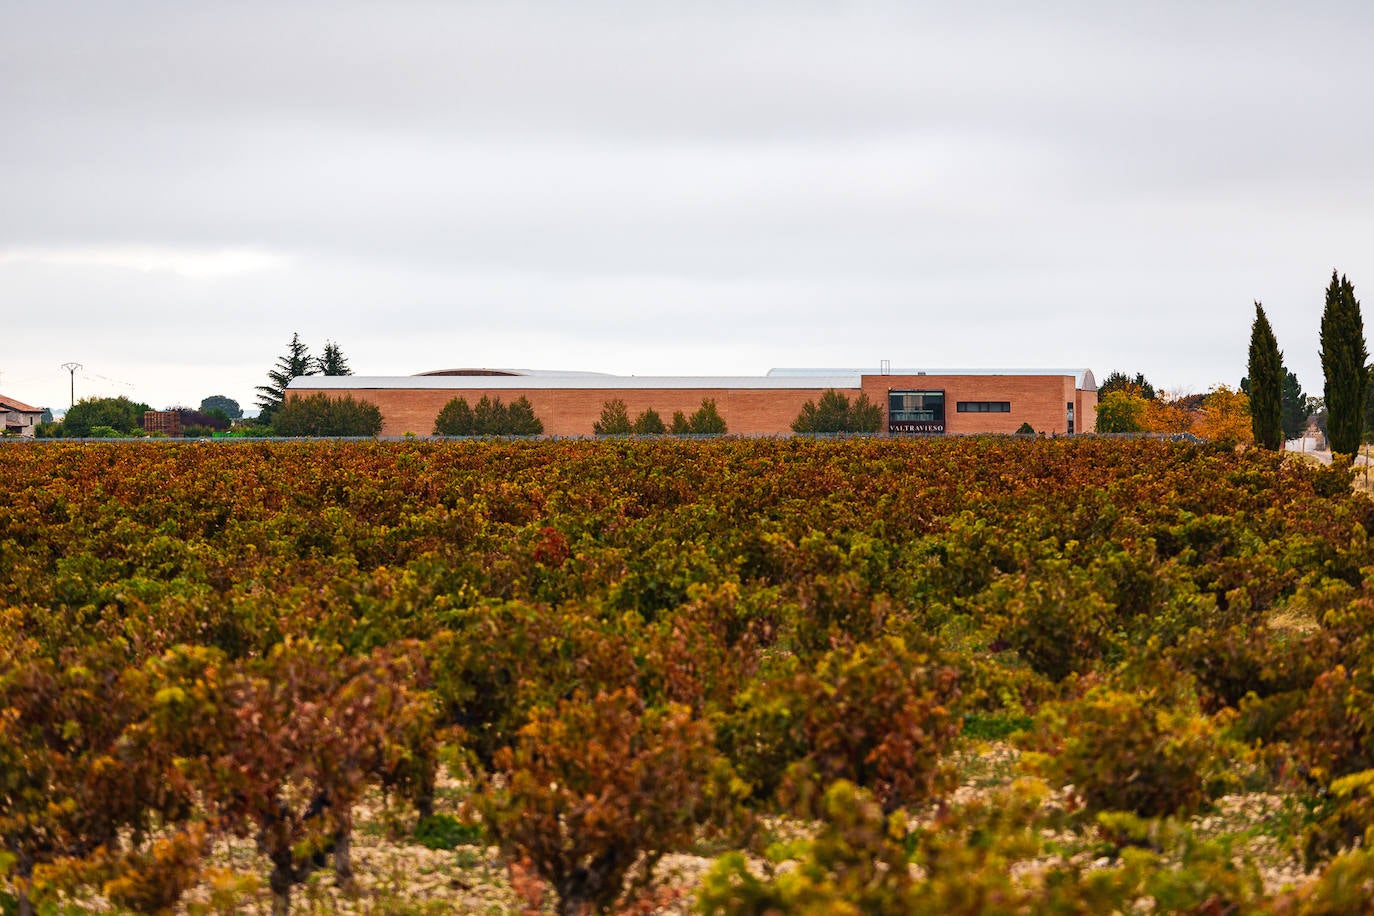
(916, 413)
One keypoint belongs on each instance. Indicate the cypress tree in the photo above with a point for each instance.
(1344, 360)
(1296, 410)
(1266, 383)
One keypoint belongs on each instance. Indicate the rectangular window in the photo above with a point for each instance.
(983, 407)
(916, 412)
(1069, 405)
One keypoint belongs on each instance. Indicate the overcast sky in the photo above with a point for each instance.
(673, 188)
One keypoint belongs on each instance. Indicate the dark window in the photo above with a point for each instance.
(983, 407)
(916, 412)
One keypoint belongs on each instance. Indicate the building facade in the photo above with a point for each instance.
(914, 402)
(20, 419)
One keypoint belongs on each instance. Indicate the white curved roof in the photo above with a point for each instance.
(804, 379)
(1083, 378)
(568, 380)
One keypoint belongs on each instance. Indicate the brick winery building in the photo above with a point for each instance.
(914, 402)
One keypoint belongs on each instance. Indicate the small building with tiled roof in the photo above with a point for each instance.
(20, 419)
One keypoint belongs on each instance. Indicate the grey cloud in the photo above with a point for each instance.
(992, 184)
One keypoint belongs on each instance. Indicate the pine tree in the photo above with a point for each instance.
(295, 363)
(615, 420)
(491, 417)
(333, 362)
(649, 423)
(520, 419)
(1344, 364)
(707, 420)
(1266, 383)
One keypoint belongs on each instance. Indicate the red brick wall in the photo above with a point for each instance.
(1038, 400)
(1087, 411)
(572, 411)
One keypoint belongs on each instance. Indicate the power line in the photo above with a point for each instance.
(105, 378)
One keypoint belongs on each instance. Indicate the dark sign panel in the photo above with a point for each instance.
(916, 428)
(915, 413)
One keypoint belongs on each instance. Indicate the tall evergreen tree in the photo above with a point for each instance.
(296, 362)
(1344, 364)
(1266, 383)
(1296, 408)
(333, 362)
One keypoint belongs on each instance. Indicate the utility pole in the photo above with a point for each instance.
(72, 367)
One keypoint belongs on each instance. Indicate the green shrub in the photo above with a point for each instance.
(706, 420)
(490, 417)
(835, 414)
(520, 419)
(880, 715)
(1330, 727)
(1342, 889)
(120, 414)
(1237, 662)
(455, 419)
(615, 420)
(1124, 751)
(856, 864)
(321, 415)
(649, 423)
(1054, 616)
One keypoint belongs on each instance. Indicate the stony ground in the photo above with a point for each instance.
(396, 875)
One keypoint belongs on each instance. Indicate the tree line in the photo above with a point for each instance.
(1270, 405)
(1345, 371)
(320, 415)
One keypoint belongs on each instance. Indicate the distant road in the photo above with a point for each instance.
(1325, 457)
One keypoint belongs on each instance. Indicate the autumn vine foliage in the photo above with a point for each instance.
(626, 648)
(600, 786)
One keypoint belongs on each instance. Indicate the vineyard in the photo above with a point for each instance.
(830, 676)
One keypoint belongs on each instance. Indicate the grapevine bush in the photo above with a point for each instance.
(673, 642)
